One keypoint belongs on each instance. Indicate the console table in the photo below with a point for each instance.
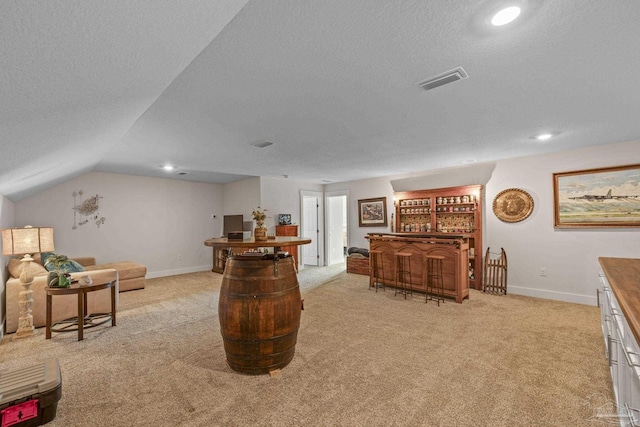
(83, 320)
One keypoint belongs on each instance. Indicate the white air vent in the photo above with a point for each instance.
(262, 144)
(443, 79)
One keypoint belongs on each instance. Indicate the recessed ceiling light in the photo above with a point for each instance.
(505, 16)
(168, 167)
(544, 136)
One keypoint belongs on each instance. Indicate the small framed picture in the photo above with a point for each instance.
(372, 212)
(284, 219)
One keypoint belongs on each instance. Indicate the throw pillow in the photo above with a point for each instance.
(15, 268)
(55, 262)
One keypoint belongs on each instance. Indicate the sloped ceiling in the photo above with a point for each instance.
(125, 87)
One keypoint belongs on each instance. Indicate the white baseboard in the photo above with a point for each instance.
(554, 295)
(165, 273)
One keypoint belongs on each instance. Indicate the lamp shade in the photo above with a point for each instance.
(28, 240)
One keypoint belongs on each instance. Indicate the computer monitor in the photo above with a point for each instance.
(232, 223)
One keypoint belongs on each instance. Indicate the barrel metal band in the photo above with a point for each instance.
(262, 340)
(257, 296)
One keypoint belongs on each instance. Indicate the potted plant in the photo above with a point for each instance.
(260, 232)
(58, 277)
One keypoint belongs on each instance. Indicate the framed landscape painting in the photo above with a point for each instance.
(607, 197)
(372, 212)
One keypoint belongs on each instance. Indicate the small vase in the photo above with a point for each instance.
(260, 234)
(58, 280)
(52, 279)
(64, 281)
(85, 280)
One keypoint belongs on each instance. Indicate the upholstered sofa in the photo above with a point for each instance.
(130, 275)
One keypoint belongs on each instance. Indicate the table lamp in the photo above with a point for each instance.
(26, 241)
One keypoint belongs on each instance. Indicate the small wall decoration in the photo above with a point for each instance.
(87, 208)
(284, 219)
(605, 197)
(512, 205)
(372, 212)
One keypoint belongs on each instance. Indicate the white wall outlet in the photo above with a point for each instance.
(543, 271)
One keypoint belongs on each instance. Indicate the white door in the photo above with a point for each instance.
(337, 227)
(310, 230)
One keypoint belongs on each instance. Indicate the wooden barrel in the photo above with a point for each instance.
(259, 310)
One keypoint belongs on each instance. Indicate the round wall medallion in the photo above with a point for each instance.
(512, 205)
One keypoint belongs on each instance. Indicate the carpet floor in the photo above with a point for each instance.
(363, 358)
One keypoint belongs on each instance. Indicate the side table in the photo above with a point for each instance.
(83, 320)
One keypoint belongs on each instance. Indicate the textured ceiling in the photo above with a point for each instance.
(125, 87)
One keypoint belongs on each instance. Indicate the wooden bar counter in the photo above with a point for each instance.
(453, 247)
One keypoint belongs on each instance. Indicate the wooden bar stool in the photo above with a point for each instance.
(403, 274)
(376, 270)
(434, 282)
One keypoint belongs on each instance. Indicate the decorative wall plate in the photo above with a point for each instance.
(513, 205)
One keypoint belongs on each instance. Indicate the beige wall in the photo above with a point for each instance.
(569, 256)
(7, 211)
(161, 223)
(241, 198)
(279, 195)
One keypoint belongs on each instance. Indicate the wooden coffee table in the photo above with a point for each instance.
(83, 320)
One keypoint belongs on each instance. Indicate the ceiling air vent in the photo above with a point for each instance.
(262, 144)
(181, 173)
(443, 79)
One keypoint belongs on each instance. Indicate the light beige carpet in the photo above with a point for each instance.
(362, 359)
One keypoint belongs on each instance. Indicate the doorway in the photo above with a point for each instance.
(337, 235)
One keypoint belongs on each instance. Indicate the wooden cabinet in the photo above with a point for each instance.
(219, 260)
(220, 256)
(289, 230)
(444, 211)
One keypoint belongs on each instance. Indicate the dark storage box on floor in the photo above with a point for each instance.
(358, 264)
(29, 396)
